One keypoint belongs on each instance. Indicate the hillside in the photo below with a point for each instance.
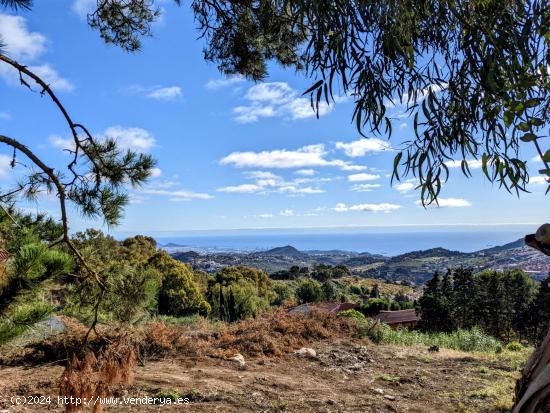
(413, 267)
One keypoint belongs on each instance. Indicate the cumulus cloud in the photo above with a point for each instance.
(5, 165)
(383, 207)
(448, 203)
(20, 43)
(307, 156)
(363, 146)
(417, 97)
(365, 187)
(405, 187)
(286, 213)
(276, 99)
(472, 164)
(156, 172)
(83, 7)
(165, 93)
(177, 195)
(363, 177)
(305, 172)
(538, 180)
(214, 84)
(136, 139)
(27, 47)
(267, 182)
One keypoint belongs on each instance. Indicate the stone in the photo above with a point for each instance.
(306, 352)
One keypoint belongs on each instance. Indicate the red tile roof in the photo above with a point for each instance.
(398, 317)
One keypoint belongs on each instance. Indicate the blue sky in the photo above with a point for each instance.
(231, 153)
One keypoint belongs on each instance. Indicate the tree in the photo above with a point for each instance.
(179, 295)
(434, 305)
(239, 292)
(465, 302)
(540, 311)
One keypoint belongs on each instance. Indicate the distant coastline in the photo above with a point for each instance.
(388, 241)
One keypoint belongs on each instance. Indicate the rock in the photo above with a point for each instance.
(378, 391)
(543, 234)
(330, 401)
(388, 397)
(306, 352)
(239, 359)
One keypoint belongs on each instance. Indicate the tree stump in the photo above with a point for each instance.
(533, 388)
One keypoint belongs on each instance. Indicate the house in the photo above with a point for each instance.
(327, 307)
(398, 319)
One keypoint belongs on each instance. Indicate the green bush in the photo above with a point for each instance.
(514, 346)
(308, 291)
(239, 292)
(463, 340)
(179, 295)
(352, 314)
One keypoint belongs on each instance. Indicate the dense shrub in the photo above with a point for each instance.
(308, 291)
(179, 295)
(352, 314)
(239, 292)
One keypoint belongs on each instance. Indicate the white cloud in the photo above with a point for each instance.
(5, 165)
(305, 172)
(403, 125)
(61, 143)
(214, 84)
(405, 187)
(242, 189)
(49, 75)
(276, 99)
(383, 207)
(178, 195)
(365, 187)
(136, 139)
(165, 93)
(286, 213)
(307, 156)
(417, 97)
(83, 7)
(19, 42)
(5, 116)
(363, 146)
(448, 203)
(538, 180)
(27, 47)
(472, 164)
(536, 159)
(268, 182)
(156, 172)
(265, 216)
(363, 177)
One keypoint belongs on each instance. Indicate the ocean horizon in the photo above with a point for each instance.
(387, 241)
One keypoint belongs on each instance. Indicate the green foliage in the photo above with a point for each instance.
(179, 295)
(31, 269)
(499, 302)
(352, 314)
(308, 291)
(281, 291)
(374, 305)
(514, 346)
(463, 340)
(239, 292)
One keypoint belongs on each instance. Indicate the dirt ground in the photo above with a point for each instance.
(352, 376)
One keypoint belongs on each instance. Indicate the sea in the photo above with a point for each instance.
(388, 241)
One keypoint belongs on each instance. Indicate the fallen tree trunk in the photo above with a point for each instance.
(533, 388)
